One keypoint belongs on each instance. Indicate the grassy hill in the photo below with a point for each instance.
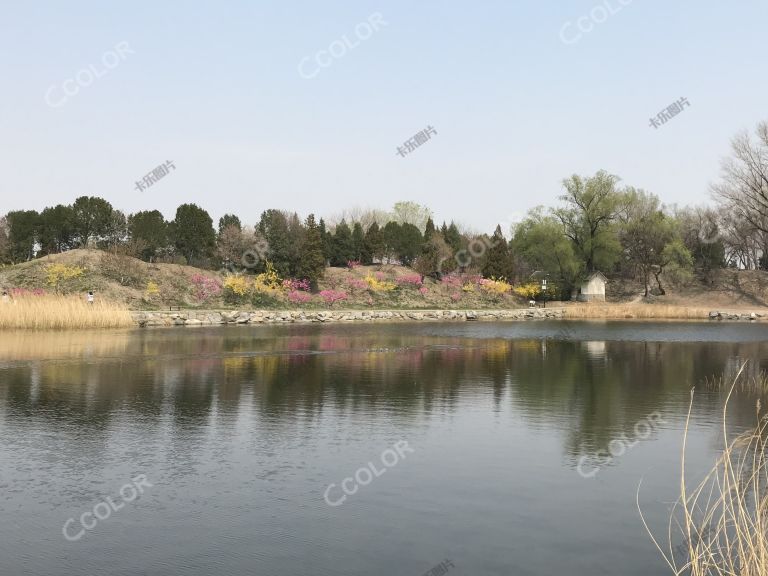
(142, 286)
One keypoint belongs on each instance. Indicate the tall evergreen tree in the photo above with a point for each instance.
(343, 250)
(193, 233)
(56, 229)
(409, 244)
(374, 244)
(429, 230)
(327, 240)
(22, 234)
(92, 219)
(312, 259)
(229, 220)
(358, 242)
(150, 229)
(453, 237)
(497, 261)
(390, 240)
(273, 226)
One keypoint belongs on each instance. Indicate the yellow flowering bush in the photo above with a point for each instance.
(57, 274)
(379, 284)
(528, 291)
(468, 287)
(268, 282)
(152, 290)
(236, 288)
(495, 286)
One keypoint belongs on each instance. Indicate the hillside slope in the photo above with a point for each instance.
(126, 280)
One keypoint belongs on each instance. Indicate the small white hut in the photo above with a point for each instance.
(593, 288)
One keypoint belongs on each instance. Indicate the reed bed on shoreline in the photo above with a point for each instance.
(59, 312)
(649, 311)
(724, 519)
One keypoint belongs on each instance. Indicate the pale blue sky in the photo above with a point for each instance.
(215, 87)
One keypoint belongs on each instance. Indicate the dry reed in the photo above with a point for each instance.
(57, 312)
(724, 520)
(636, 311)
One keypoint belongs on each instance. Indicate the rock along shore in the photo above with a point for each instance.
(208, 318)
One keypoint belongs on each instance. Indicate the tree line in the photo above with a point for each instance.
(599, 225)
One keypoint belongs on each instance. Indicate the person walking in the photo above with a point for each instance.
(6, 297)
(90, 297)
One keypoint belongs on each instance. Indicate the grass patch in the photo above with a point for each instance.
(635, 311)
(56, 312)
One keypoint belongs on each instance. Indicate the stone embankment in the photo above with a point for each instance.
(715, 315)
(201, 317)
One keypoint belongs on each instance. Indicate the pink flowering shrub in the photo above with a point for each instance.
(299, 296)
(294, 285)
(330, 297)
(409, 279)
(459, 280)
(352, 264)
(357, 283)
(456, 296)
(380, 276)
(205, 288)
(424, 290)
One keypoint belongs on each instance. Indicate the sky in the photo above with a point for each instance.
(520, 94)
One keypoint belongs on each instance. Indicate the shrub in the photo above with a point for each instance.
(204, 288)
(152, 290)
(453, 280)
(352, 264)
(495, 287)
(123, 269)
(409, 280)
(236, 288)
(299, 297)
(468, 287)
(330, 297)
(456, 296)
(424, 290)
(375, 284)
(528, 291)
(291, 284)
(268, 282)
(60, 274)
(357, 283)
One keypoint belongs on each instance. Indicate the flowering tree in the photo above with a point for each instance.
(330, 297)
(299, 297)
(204, 288)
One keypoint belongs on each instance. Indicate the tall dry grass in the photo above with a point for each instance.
(724, 520)
(636, 311)
(56, 312)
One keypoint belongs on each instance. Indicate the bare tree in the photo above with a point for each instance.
(743, 189)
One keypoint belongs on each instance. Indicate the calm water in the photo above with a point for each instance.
(240, 431)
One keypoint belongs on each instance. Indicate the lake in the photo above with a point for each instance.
(381, 449)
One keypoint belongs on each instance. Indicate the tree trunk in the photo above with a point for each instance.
(658, 281)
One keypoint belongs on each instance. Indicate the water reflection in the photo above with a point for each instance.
(593, 390)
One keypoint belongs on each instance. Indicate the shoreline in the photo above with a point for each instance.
(298, 316)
